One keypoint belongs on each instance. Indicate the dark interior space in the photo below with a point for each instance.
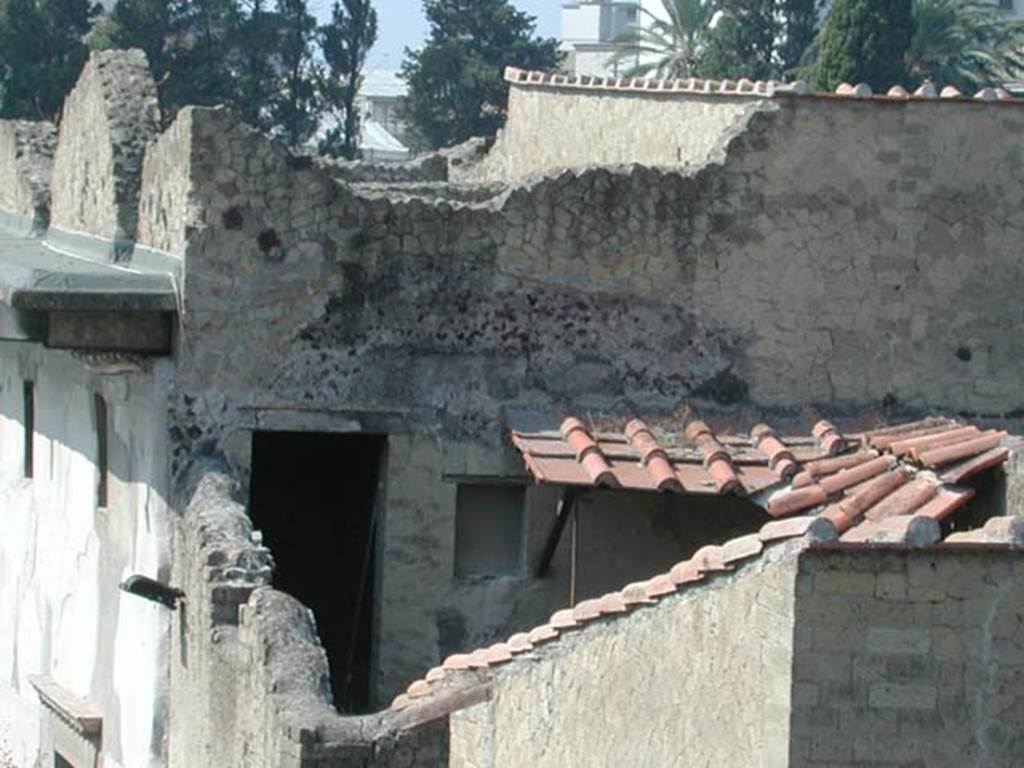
(313, 496)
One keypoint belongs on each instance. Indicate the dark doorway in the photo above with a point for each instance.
(314, 497)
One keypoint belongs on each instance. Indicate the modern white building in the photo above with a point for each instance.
(590, 29)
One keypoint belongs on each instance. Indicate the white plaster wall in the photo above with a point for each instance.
(61, 558)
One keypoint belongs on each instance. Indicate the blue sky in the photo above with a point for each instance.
(402, 25)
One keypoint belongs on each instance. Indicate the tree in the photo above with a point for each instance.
(255, 45)
(666, 48)
(759, 39)
(969, 45)
(344, 42)
(41, 54)
(294, 107)
(141, 24)
(456, 90)
(865, 41)
(199, 64)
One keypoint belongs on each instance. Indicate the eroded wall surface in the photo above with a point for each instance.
(107, 120)
(702, 679)
(26, 161)
(909, 658)
(62, 556)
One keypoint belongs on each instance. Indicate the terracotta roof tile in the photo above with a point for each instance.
(945, 502)
(905, 500)
(934, 440)
(875, 500)
(936, 457)
(742, 548)
(587, 452)
(957, 473)
(653, 456)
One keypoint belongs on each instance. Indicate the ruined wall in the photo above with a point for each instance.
(549, 129)
(26, 162)
(108, 118)
(702, 679)
(909, 658)
(767, 281)
(249, 678)
(62, 556)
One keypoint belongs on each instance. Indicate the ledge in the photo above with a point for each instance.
(78, 713)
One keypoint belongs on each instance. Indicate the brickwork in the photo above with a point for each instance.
(906, 658)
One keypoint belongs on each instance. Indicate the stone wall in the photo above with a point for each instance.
(108, 118)
(549, 129)
(26, 162)
(909, 658)
(703, 678)
(62, 555)
(249, 678)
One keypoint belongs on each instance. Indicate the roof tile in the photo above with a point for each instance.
(962, 450)
(959, 472)
(742, 548)
(945, 502)
(904, 500)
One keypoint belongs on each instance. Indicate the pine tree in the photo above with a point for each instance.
(199, 68)
(255, 47)
(141, 24)
(456, 90)
(865, 41)
(294, 107)
(42, 51)
(345, 41)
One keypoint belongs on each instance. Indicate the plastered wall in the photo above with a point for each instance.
(909, 658)
(702, 679)
(62, 557)
(549, 129)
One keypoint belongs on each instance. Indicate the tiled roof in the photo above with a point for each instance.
(747, 88)
(887, 487)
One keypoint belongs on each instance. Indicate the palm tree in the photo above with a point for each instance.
(663, 48)
(966, 44)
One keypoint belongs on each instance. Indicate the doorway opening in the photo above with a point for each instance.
(315, 498)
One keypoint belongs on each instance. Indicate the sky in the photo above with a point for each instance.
(401, 25)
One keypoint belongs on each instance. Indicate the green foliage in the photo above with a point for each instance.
(759, 39)
(255, 41)
(662, 48)
(966, 44)
(344, 42)
(865, 41)
(41, 54)
(456, 90)
(294, 105)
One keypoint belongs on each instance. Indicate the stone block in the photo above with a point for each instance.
(897, 641)
(844, 583)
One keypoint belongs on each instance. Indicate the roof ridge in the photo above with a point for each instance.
(751, 88)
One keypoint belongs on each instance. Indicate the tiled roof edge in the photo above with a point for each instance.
(749, 88)
(463, 680)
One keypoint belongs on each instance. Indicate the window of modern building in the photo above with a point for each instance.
(488, 530)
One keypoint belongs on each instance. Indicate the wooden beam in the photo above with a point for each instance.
(566, 505)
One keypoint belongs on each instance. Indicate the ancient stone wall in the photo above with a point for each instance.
(108, 118)
(26, 162)
(164, 215)
(549, 129)
(909, 658)
(701, 679)
(249, 678)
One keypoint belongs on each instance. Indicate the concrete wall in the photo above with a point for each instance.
(702, 679)
(909, 658)
(26, 161)
(108, 118)
(62, 557)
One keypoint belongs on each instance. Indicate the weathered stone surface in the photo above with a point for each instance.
(26, 162)
(108, 119)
